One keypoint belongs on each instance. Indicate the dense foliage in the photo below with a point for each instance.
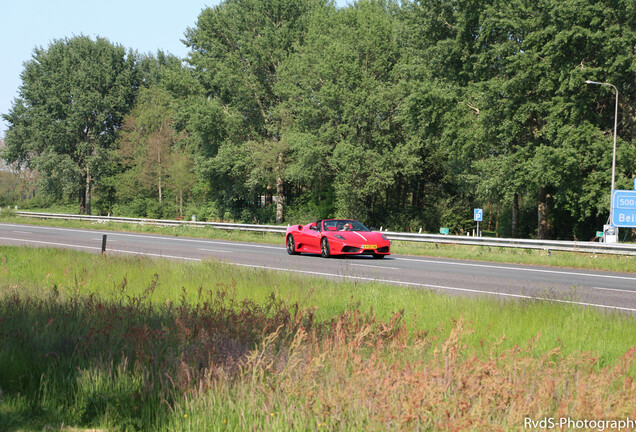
(404, 115)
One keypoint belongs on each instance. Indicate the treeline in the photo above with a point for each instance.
(404, 115)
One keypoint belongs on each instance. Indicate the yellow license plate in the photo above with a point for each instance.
(369, 246)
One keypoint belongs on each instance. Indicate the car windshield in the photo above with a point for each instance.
(343, 225)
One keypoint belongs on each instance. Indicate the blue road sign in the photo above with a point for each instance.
(479, 215)
(624, 205)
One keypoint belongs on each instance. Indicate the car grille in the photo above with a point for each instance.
(350, 249)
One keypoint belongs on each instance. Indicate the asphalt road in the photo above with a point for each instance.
(600, 289)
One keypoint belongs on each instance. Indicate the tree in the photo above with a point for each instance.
(441, 110)
(237, 50)
(560, 45)
(342, 89)
(521, 66)
(181, 176)
(9, 183)
(73, 98)
(146, 143)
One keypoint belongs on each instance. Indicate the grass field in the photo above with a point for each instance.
(504, 255)
(120, 343)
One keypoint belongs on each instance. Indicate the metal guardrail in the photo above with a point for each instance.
(161, 222)
(549, 245)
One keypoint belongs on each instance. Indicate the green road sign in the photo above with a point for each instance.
(443, 231)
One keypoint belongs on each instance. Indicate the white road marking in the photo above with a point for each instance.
(614, 289)
(51, 243)
(214, 250)
(493, 266)
(156, 255)
(368, 279)
(375, 266)
(21, 232)
(152, 236)
(99, 248)
(518, 269)
(439, 287)
(243, 244)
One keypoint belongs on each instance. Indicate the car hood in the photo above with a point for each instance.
(359, 236)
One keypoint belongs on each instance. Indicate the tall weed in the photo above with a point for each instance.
(129, 364)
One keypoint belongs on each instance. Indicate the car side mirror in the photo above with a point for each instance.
(372, 228)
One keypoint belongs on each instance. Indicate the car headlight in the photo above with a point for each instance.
(338, 236)
(384, 237)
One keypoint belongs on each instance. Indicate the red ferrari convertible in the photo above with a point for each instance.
(336, 237)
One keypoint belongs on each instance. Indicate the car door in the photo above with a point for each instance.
(308, 238)
(312, 238)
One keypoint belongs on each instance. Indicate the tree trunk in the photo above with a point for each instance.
(87, 198)
(497, 220)
(279, 190)
(82, 201)
(415, 196)
(181, 203)
(542, 214)
(515, 215)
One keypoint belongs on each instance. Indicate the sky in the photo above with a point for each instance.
(142, 25)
